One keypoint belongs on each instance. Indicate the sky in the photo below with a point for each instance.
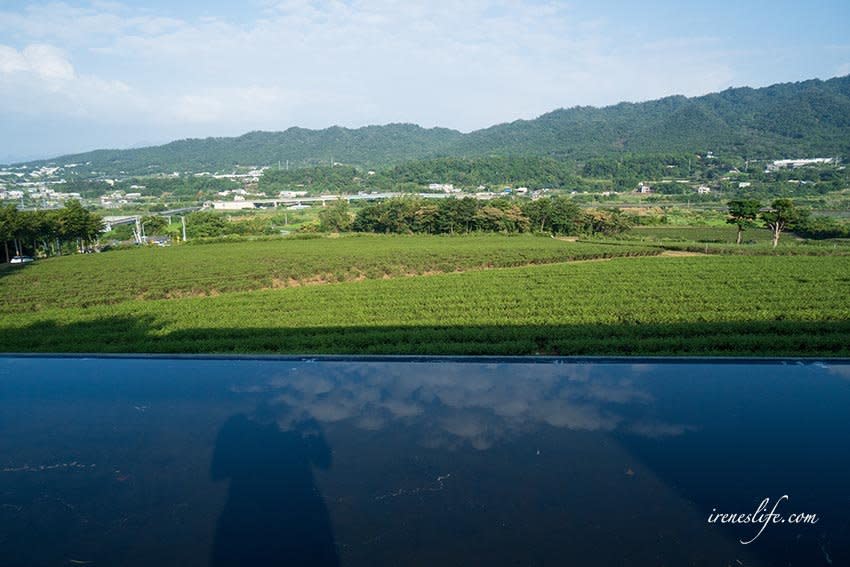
(77, 75)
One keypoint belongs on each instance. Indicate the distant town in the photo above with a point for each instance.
(51, 186)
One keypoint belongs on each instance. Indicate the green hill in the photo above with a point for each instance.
(810, 118)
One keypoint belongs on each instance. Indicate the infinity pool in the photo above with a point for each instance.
(219, 461)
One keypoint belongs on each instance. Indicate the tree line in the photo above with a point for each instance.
(552, 215)
(782, 215)
(48, 232)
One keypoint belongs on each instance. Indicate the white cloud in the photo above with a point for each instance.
(314, 64)
(44, 61)
(40, 80)
(81, 25)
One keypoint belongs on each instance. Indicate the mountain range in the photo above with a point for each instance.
(803, 119)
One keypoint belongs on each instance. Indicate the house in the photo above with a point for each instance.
(643, 188)
(703, 190)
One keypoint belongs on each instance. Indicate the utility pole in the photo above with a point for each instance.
(183, 220)
(138, 231)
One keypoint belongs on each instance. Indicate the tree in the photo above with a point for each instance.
(336, 217)
(557, 215)
(500, 216)
(539, 213)
(426, 218)
(31, 226)
(153, 225)
(77, 223)
(456, 215)
(8, 226)
(743, 214)
(781, 216)
(607, 222)
(204, 224)
(566, 216)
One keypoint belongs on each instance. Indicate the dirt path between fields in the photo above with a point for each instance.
(681, 253)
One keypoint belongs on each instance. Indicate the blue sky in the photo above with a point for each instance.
(84, 74)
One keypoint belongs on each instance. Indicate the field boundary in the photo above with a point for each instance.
(436, 358)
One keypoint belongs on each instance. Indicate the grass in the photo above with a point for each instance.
(711, 305)
(719, 234)
(721, 240)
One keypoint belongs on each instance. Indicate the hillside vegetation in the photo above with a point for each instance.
(785, 120)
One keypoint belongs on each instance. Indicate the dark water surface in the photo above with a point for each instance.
(158, 461)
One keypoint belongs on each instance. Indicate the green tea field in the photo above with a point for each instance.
(213, 269)
(510, 296)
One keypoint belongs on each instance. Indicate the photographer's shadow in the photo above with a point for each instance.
(274, 513)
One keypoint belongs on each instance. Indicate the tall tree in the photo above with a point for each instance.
(743, 214)
(539, 213)
(783, 215)
(8, 226)
(566, 216)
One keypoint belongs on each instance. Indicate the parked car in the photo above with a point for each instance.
(20, 260)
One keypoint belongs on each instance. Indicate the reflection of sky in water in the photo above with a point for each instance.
(592, 463)
(454, 403)
(842, 371)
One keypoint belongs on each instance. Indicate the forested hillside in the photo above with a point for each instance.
(793, 119)
(810, 118)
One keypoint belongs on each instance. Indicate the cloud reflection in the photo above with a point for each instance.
(477, 404)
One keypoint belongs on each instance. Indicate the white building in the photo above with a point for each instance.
(795, 163)
(11, 195)
(232, 205)
(703, 190)
(444, 187)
